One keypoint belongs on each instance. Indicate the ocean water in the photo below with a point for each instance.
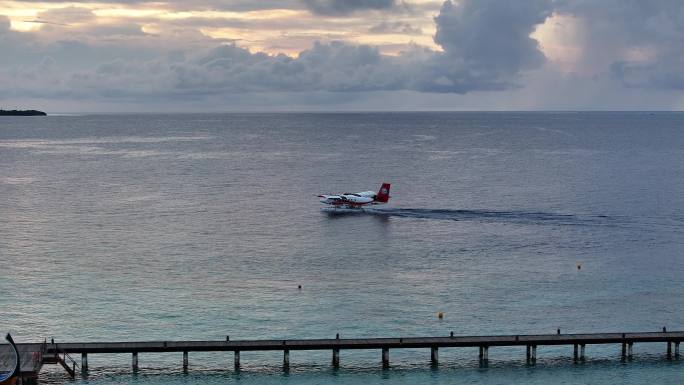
(172, 227)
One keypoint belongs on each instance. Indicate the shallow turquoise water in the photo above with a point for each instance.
(161, 227)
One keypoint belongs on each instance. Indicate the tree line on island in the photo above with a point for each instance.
(22, 113)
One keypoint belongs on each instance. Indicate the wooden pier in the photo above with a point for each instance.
(60, 352)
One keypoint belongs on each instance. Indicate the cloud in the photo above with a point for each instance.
(67, 15)
(5, 24)
(320, 7)
(485, 47)
(345, 7)
(396, 27)
(665, 73)
(473, 59)
(492, 35)
(82, 24)
(478, 56)
(639, 42)
(233, 5)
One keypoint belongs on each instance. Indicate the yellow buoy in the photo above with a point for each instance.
(440, 315)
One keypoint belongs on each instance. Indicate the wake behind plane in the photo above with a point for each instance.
(357, 200)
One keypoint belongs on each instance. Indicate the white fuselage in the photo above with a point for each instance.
(357, 200)
(349, 199)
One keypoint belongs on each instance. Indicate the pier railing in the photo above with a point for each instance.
(531, 342)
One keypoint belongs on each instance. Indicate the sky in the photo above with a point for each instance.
(341, 55)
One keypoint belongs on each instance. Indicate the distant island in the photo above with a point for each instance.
(22, 113)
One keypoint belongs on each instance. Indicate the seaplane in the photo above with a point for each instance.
(354, 201)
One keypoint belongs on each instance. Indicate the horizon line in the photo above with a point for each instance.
(303, 111)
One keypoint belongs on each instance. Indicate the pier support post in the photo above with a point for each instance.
(185, 360)
(528, 355)
(582, 356)
(336, 358)
(623, 352)
(575, 353)
(237, 359)
(484, 355)
(434, 356)
(629, 350)
(669, 350)
(677, 349)
(84, 362)
(134, 361)
(385, 357)
(286, 359)
(534, 354)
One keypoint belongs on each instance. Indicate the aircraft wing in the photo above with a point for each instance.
(333, 198)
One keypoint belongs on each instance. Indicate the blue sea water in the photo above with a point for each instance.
(172, 227)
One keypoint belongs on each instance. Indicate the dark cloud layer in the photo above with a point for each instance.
(398, 27)
(344, 7)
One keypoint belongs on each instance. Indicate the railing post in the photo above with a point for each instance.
(385, 358)
(134, 361)
(434, 355)
(336, 358)
(84, 362)
(237, 359)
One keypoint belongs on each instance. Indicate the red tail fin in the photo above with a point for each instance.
(383, 195)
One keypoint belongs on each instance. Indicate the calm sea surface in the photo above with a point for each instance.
(168, 227)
